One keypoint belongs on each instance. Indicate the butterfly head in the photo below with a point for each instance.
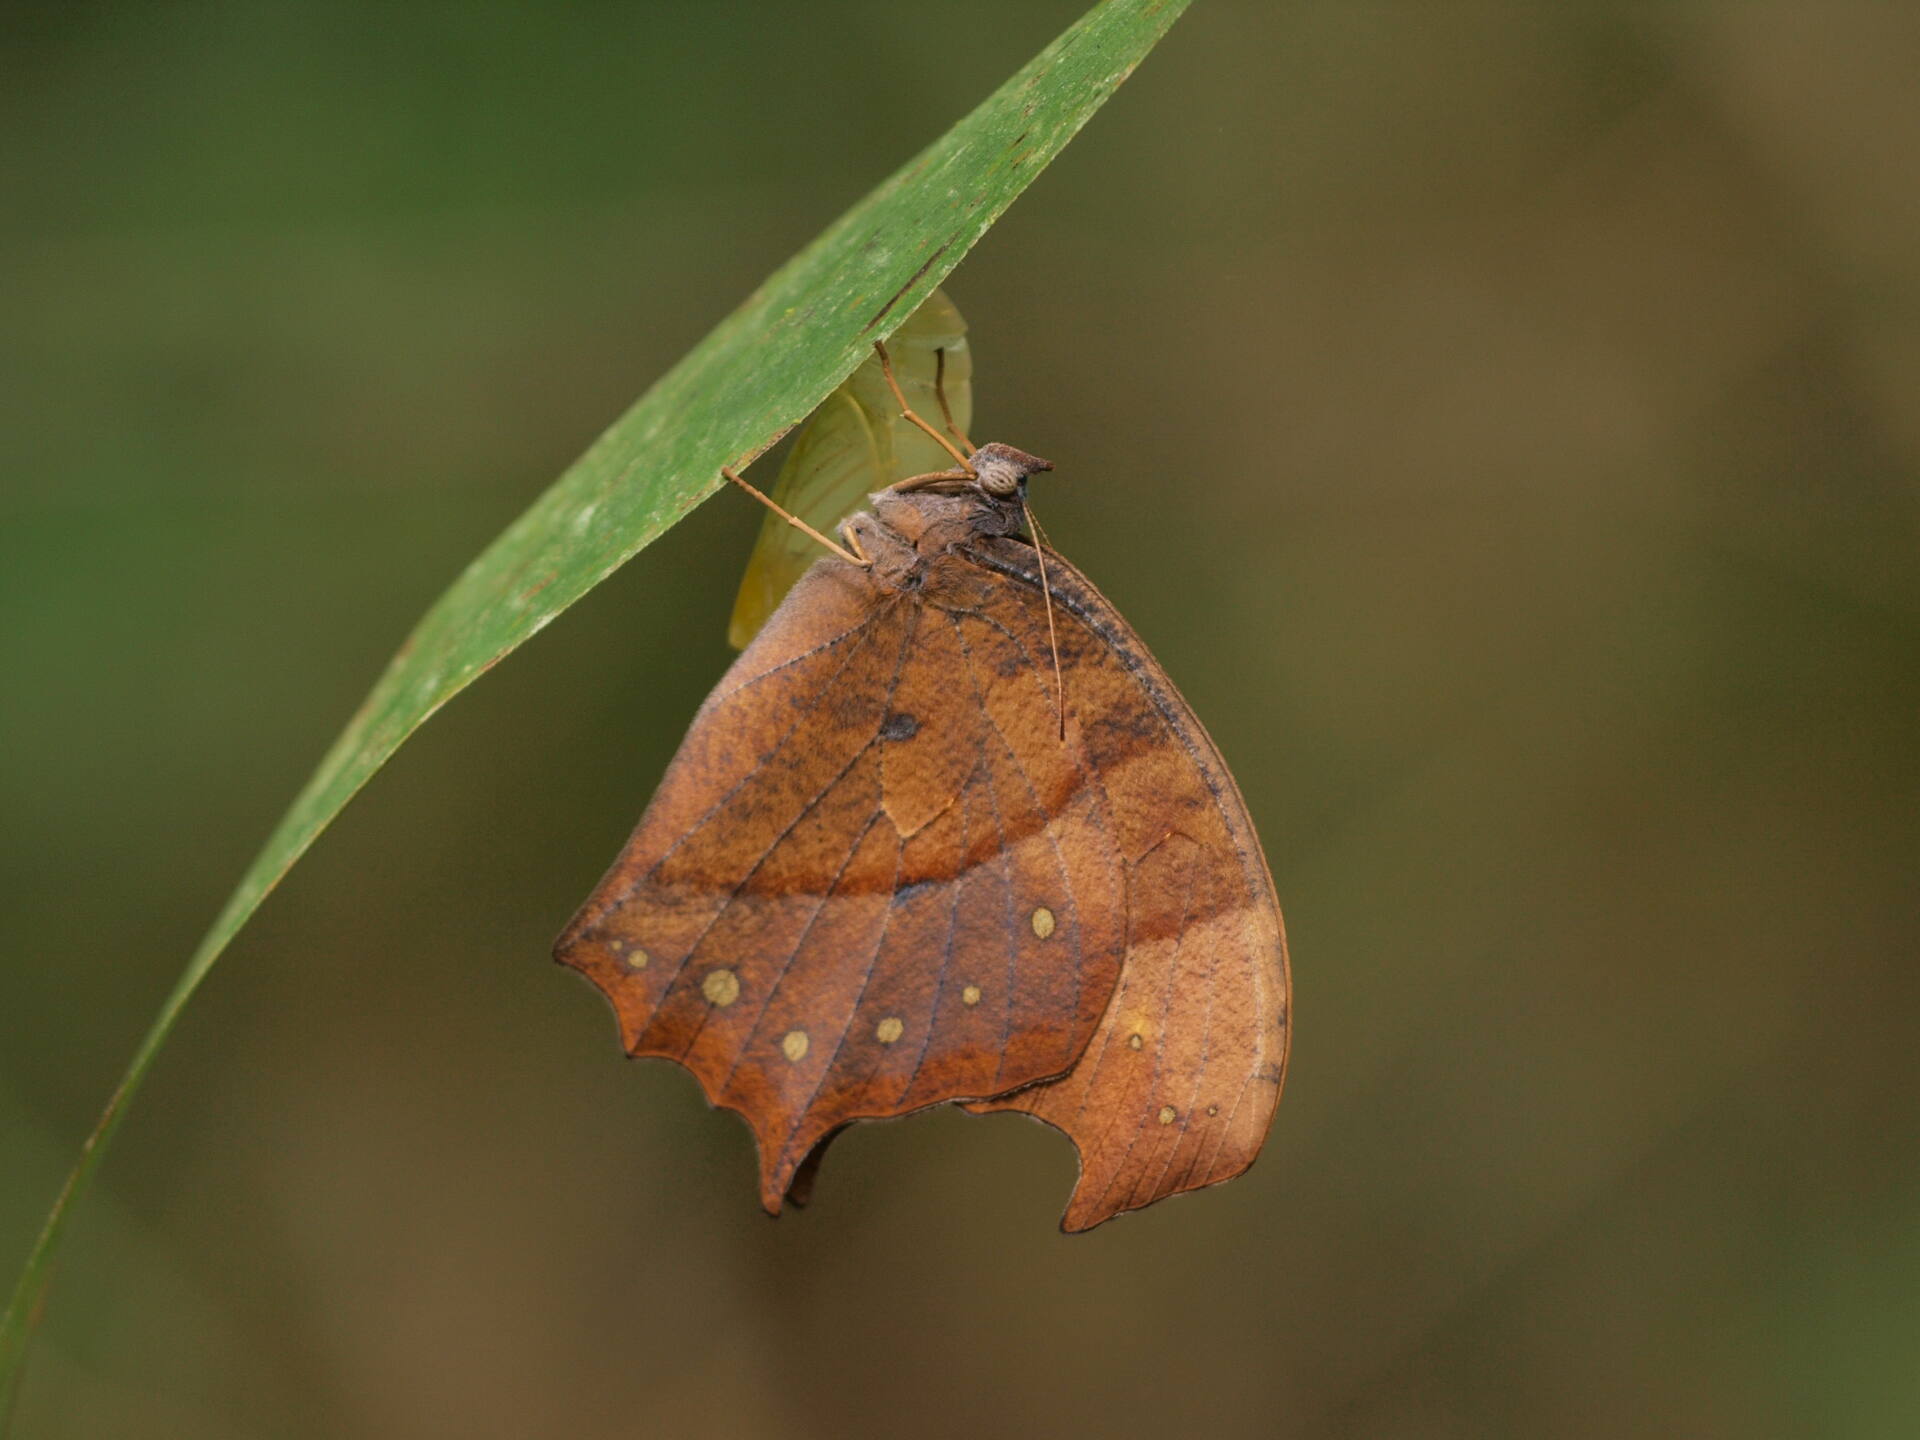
(929, 515)
(1000, 470)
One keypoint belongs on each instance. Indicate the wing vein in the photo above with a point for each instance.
(953, 916)
(879, 810)
(1159, 1049)
(800, 718)
(753, 870)
(1189, 1110)
(722, 696)
(866, 982)
(799, 943)
(1026, 778)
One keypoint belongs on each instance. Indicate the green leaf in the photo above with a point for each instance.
(757, 374)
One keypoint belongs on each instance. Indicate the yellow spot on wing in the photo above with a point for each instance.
(1043, 922)
(1168, 1114)
(970, 995)
(794, 1045)
(721, 987)
(888, 1030)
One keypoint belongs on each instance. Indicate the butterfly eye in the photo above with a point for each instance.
(998, 475)
(1001, 468)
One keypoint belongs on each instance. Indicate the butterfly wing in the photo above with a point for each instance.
(1178, 1087)
(827, 912)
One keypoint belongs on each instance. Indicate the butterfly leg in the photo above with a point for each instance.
(850, 556)
(933, 479)
(852, 536)
(908, 413)
(940, 394)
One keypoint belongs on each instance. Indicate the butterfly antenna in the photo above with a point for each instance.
(907, 411)
(794, 520)
(940, 394)
(1053, 637)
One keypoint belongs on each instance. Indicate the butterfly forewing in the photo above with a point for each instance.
(861, 888)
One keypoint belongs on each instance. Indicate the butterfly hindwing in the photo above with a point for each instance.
(1178, 1087)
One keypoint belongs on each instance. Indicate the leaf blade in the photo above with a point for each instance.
(815, 318)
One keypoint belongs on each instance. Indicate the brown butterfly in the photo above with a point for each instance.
(947, 832)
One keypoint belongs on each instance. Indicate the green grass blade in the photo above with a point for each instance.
(756, 375)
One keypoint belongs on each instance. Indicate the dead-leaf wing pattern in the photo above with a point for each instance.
(1178, 1087)
(851, 895)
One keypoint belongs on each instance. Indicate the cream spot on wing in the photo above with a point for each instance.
(1213, 1109)
(1168, 1114)
(721, 987)
(1135, 1041)
(636, 958)
(1043, 922)
(970, 995)
(889, 1030)
(793, 1045)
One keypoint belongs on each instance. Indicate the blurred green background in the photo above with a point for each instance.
(1501, 421)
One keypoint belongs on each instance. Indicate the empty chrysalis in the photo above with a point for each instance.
(854, 444)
